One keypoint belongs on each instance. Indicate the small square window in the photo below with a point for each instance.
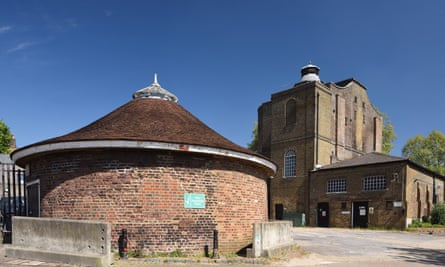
(343, 206)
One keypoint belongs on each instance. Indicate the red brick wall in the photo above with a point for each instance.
(143, 192)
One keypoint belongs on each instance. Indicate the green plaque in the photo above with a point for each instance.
(194, 201)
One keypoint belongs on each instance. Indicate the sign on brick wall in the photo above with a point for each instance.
(194, 201)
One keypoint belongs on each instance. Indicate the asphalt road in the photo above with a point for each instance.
(327, 247)
(346, 247)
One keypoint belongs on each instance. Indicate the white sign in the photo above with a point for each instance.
(397, 204)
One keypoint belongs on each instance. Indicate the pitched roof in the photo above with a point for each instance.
(148, 120)
(5, 159)
(375, 158)
(367, 159)
(345, 83)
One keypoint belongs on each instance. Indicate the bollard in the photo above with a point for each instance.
(215, 245)
(123, 244)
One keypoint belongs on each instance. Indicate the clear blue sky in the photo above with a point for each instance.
(64, 64)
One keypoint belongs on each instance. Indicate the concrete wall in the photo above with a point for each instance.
(271, 236)
(57, 240)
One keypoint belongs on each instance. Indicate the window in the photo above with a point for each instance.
(291, 112)
(373, 183)
(289, 163)
(336, 185)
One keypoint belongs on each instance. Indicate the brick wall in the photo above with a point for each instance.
(381, 201)
(143, 192)
(346, 129)
(419, 193)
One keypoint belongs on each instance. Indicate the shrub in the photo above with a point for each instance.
(438, 214)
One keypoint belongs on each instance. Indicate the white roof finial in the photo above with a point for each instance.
(156, 79)
(155, 91)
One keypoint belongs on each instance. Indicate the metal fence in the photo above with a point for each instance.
(13, 199)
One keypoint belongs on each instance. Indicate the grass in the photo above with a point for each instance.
(421, 224)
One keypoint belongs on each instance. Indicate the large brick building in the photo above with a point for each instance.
(154, 169)
(309, 125)
(326, 139)
(373, 190)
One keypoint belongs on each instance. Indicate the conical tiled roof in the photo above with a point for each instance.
(149, 119)
(146, 123)
(152, 120)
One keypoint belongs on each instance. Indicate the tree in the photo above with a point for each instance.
(438, 214)
(427, 151)
(5, 138)
(254, 144)
(388, 135)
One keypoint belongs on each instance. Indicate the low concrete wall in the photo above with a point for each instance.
(269, 237)
(57, 240)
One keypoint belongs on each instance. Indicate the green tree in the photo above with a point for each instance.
(388, 135)
(438, 214)
(5, 138)
(427, 151)
(254, 144)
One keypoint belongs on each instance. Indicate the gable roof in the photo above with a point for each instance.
(5, 159)
(375, 158)
(346, 82)
(367, 159)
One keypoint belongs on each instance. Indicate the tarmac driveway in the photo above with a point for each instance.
(347, 247)
(326, 247)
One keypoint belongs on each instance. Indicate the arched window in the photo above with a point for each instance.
(291, 112)
(289, 163)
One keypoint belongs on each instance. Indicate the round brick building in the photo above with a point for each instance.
(154, 169)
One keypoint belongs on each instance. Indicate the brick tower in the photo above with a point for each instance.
(310, 125)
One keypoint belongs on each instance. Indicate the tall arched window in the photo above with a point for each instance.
(291, 112)
(289, 163)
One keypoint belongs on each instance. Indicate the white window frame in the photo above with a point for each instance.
(374, 183)
(290, 163)
(336, 185)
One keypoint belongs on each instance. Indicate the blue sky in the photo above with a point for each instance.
(64, 64)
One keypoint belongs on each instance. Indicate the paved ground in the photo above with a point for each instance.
(327, 247)
(345, 247)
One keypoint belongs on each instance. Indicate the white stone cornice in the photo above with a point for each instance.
(75, 145)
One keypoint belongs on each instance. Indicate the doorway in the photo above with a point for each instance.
(360, 218)
(323, 214)
(33, 199)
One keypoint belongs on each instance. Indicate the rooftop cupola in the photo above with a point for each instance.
(155, 91)
(309, 73)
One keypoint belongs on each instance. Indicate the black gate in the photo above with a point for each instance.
(12, 202)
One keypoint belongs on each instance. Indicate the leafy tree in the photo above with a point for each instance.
(5, 138)
(427, 151)
(388, 135)
(438, 214)
(254, 144)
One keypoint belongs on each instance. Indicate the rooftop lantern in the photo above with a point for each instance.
(309, 73)
(155, 91)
